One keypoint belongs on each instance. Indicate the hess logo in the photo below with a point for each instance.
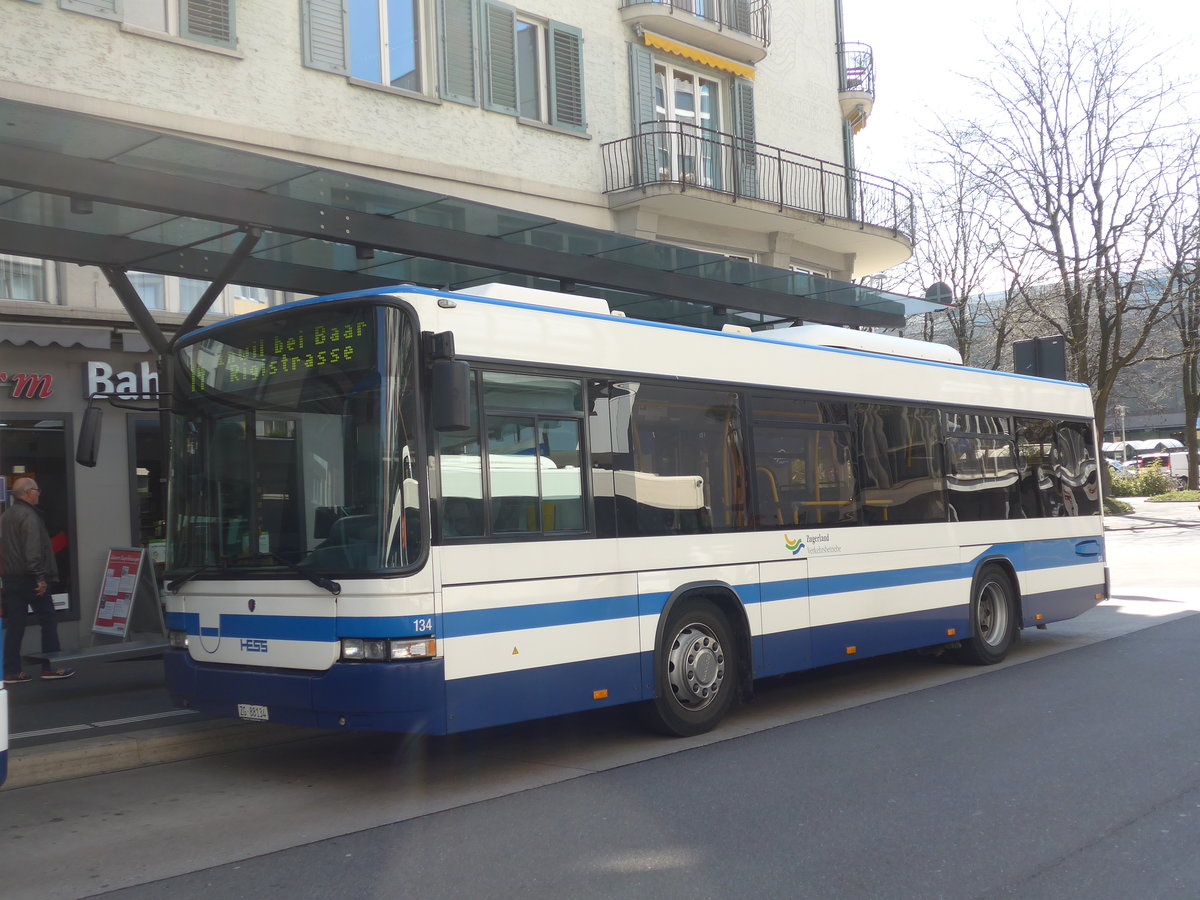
(253, 645)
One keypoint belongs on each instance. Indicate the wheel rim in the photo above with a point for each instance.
(992, 614)
(695, 666)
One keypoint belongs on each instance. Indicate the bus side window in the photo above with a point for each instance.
(802, 465)
(461, 482)
(899, 450)
(679, 462)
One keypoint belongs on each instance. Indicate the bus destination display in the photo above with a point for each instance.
(307, 346)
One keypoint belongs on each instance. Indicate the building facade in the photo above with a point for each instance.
(719, 125)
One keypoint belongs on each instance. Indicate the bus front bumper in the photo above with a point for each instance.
(349, 696)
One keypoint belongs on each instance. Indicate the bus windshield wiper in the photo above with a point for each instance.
(326, 584)
(220, 565)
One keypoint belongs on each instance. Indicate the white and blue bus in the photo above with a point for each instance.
(428, 511)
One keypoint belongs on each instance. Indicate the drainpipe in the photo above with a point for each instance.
(847, 131)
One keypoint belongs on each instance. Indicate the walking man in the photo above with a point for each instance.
(28, 566)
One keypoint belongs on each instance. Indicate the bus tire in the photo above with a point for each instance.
(993, 618)
(696, 671)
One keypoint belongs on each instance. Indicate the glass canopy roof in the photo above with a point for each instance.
(92, 191)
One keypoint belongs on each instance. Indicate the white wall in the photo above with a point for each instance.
(260, 97)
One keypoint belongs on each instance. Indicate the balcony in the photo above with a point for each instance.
(856, 90)
(676, 169)
(737, 29)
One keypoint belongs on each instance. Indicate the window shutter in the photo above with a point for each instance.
(210, 21)
(105, 9)
(641, 105)
(745, 149)
(325, 39)
(457, 27)
(566, 77)
(641, 86)
(499, 57)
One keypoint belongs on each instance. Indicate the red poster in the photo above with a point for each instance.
(117, 590)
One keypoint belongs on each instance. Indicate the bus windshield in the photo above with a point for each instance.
(294, 444)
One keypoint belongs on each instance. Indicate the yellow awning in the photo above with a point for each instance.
(696, 55)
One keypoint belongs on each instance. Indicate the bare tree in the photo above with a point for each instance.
(958, 248)
(1087, 164)
(1182, 245)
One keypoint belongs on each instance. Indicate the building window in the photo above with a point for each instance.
(190, 292)
(488, 54)
(690, 151)
(248, 299)
(385, 42)
(696, 126)
(21, 278)
(531, 67)
(808, 270)
(208, 21)
(151, 288)
(172, 294)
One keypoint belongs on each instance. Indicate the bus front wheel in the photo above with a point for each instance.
(993, 618)
(696, 671)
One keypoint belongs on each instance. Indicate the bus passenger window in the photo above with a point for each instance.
(899, 455)
(678, 462)
(1060, 475)
(981, 475)
(802, 470)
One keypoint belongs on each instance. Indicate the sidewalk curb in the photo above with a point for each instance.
(104, 755)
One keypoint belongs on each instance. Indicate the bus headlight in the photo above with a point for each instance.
(422, 649)
(380, 649)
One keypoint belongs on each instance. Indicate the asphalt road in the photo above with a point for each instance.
(1075, 775)
(1069, 771)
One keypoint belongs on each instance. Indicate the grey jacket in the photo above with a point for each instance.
(25, 543)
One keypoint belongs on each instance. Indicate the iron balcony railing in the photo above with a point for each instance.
(858, 68)
(752, 17)
(675, 153)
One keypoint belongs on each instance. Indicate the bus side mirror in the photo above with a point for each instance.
(451, 382)
(88, 448)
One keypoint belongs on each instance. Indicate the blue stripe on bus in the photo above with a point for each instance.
(538, 615)
(1025, 557)
(373, 696)
(298, 628)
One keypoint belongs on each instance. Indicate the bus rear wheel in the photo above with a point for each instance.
(993, 618)
(696, 671)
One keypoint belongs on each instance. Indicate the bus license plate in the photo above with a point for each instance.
(252, 712)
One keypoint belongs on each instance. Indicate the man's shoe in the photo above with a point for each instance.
(19, 678)
(57, 674)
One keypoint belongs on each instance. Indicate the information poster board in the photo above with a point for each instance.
(122, 574)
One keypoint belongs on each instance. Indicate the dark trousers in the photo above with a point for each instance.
(21, 591)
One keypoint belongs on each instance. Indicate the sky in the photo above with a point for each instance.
(921, 47)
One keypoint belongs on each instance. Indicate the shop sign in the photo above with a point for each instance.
(27, 386)
(100, 378)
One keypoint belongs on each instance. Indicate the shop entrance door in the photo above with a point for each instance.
(38, 447)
